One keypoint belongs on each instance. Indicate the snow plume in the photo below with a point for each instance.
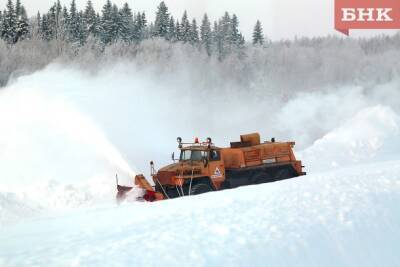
(67, 131)
(52, 155)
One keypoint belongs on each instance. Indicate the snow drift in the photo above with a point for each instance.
(372, 135)
(347, 217)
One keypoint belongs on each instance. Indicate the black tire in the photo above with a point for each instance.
(283, 174)
(200, 188)
(261, 178)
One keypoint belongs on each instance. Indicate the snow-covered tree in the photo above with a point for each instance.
(258, 36)
(38, 22)
(60, 24)
(185, 28)
(45, 29)
(194, 33)
(172, 34)
(52, 22)
(205, 34)
(116, 22)
(227, 36)
(74, 24)
(90, 19)
(22, 29)
(137, 27)
(82, 33)
(9, 33)
(140, 27)
(178, 30)
(144, 20)
(162, 21)
(125, 29)
(62, 32)
(107, 23)
(1, 21)
(18, 7)
(218, 39)
(236, 36)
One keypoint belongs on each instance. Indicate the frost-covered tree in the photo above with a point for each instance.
(216, 36)
(194, 33)
(144, 20)
(9, 33)
(137, 27)
(116, 22)
(82, 33)
(62, 31)
(185, 28)
(38, 22)
(178, 30)
(140, 27)
(1, 22)
(60, 24)
(206, 34)
(126, 27)
(74, 24)
(172, 34)
(226, 34)
(90, 19)
(45, 29)
(161, 22)
(107, 23)
(65, 16)
(18, 7)
(236, 36)
(22, 29)
(52, 22)
(258, 36)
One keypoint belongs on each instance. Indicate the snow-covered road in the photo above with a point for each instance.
(346, 217)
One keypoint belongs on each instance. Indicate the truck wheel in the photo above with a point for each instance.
(200, 189)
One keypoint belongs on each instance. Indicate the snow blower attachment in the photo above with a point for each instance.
(121, 190)
(202, 167)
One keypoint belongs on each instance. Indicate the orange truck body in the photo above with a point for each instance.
(203, 167)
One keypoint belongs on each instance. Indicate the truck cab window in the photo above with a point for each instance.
(215, 155)
(195, 155)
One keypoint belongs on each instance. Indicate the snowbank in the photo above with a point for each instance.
(372, 135)
(53, 197)
(348, 217)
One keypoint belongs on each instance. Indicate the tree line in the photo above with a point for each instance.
(114, 24)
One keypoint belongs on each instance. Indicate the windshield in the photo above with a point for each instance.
(193, 155)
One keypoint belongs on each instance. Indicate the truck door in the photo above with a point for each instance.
(216, 168)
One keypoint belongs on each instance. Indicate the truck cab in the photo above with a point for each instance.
(199, 169)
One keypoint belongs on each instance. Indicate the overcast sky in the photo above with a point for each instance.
(281, 19)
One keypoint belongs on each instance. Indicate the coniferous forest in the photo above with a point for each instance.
(121, 24)
(217, 49)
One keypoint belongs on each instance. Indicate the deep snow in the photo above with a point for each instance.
(58, 163)
(347, 217)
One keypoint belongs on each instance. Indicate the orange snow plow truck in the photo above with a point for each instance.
(203, 167)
